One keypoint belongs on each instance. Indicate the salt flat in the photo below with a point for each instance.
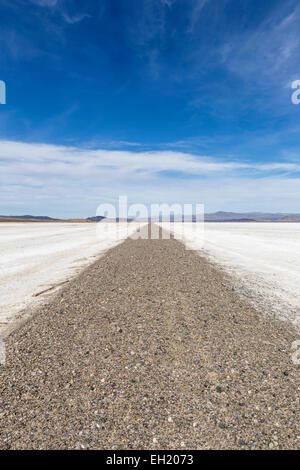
(37, 256)
(263, 257)
(150, 342)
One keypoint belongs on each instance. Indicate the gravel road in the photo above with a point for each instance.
(150, 348)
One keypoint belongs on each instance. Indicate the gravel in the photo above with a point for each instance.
(150, 348)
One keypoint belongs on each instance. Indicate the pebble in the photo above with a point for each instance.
(209, 381)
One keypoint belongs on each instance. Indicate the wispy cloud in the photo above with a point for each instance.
(270, 52)
(15, 45)
(63, 160)
(168, 3)
(62, 8)
(195, 13)
(147, 24)
(72, 19)
(51, 173)
(45, 3)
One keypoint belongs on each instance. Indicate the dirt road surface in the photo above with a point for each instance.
(150, 348)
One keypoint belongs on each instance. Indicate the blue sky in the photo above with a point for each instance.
(160, 100)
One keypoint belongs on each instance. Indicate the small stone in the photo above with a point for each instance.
(212, 376)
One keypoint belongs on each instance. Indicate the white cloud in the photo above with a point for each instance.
(72, 181)
(56, 159)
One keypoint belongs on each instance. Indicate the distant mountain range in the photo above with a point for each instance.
(97, 218)
(220, 216)
(26, 217)
(251, 217)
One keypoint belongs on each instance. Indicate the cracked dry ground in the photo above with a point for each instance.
(149, 348)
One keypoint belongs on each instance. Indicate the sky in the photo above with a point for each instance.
(165, 101)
